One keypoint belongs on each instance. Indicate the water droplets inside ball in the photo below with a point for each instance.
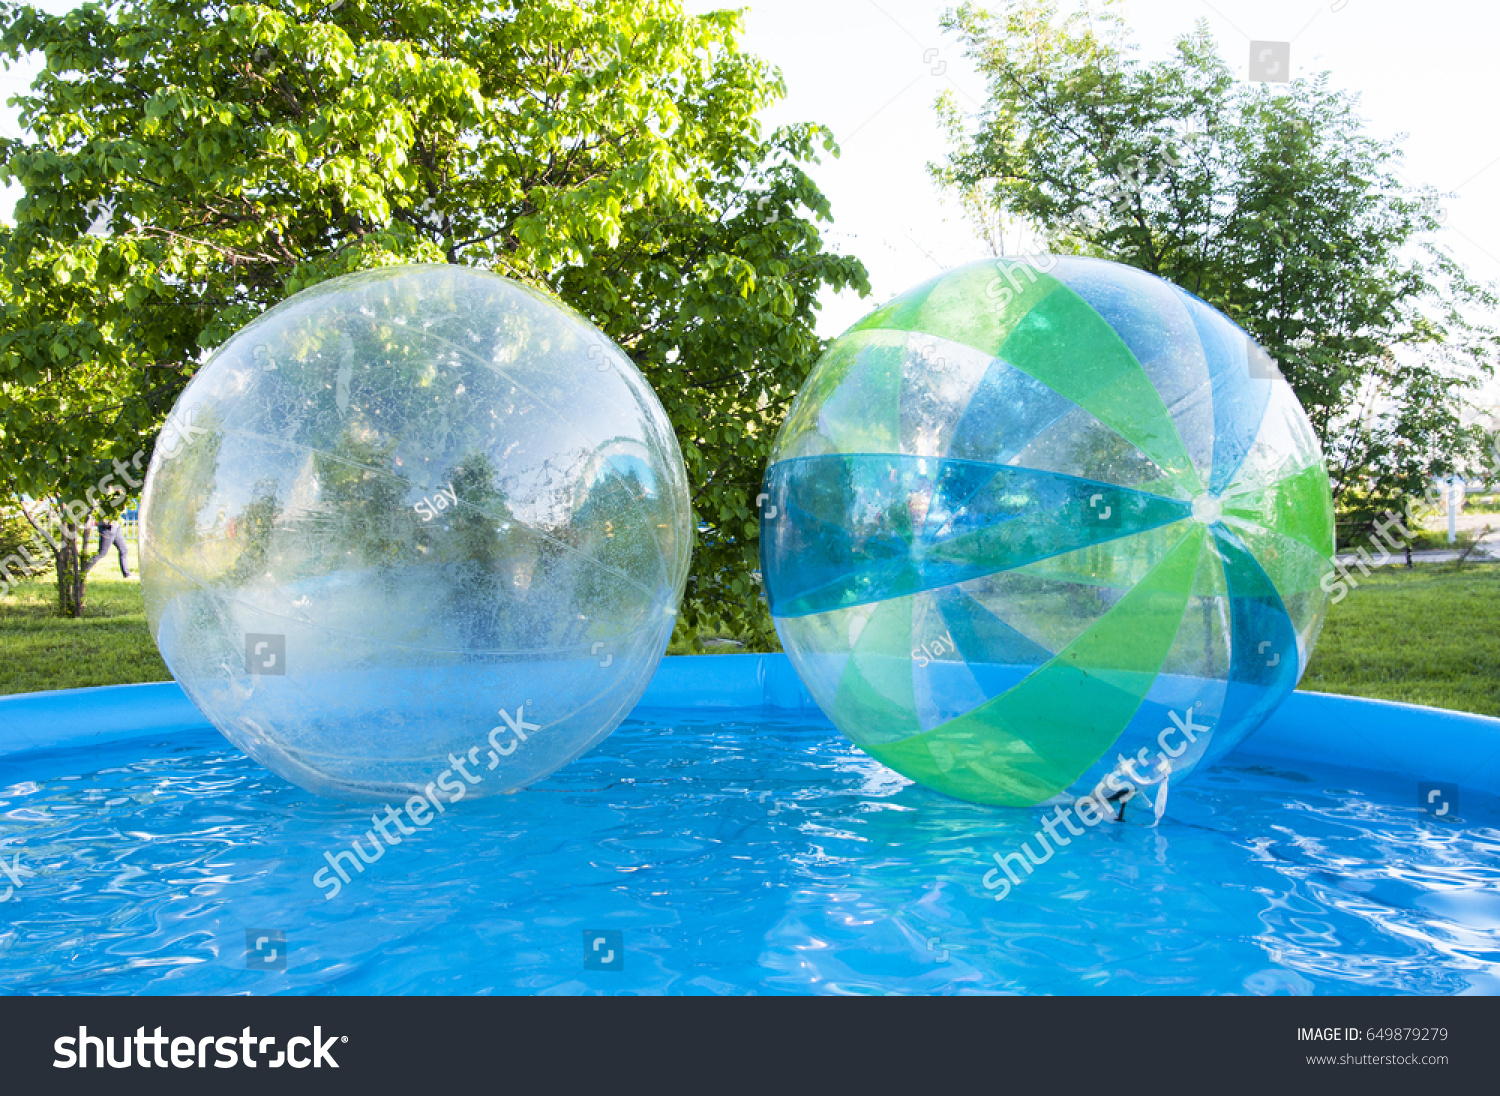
(412, 526)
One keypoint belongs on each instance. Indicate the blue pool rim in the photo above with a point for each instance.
(1376, 736)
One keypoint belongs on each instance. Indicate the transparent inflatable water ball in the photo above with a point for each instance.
(1037, 530)
(415, 526)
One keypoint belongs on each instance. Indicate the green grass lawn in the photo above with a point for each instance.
(110, 645)
(1430, 635)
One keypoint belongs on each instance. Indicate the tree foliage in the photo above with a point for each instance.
(1270, 202)
(188, 165)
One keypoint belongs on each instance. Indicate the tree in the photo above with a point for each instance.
(192, 164)
(1271, 203)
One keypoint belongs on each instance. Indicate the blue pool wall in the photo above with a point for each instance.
(1404, 740)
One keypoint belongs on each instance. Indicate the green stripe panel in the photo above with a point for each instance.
(1116, 564)
(1292, 566)
(1037, 738)
(959, 305)
(876, 695)
(853, 398)
(1299, 506)
(1043, 328)
(1091, 365)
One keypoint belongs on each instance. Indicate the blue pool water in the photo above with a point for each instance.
(755, 856)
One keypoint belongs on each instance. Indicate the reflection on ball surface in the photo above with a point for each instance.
(1036, 526)
(412, 526)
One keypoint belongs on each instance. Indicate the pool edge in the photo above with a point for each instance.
(1421, 743)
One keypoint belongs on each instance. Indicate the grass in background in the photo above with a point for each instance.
(110, 645)
(1430, 635)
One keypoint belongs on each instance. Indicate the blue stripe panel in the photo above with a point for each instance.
(1263, 665)
(855, 528)
(1239, 398)
(981, 637)
(958, 481)
(1007, 412)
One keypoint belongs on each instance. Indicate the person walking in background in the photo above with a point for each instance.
(113, 534)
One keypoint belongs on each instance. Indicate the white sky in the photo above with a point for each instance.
(871, 69)
(866, 69)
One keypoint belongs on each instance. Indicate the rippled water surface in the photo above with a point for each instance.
(760, 856)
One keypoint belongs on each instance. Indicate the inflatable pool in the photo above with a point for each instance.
(728, 840)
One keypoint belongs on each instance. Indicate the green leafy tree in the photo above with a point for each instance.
(369, 523)
(188, 165)
(22, 548)
(1270, 202)
(258, 524)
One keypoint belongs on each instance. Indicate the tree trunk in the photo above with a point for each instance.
(72, 571)
(69, 547)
